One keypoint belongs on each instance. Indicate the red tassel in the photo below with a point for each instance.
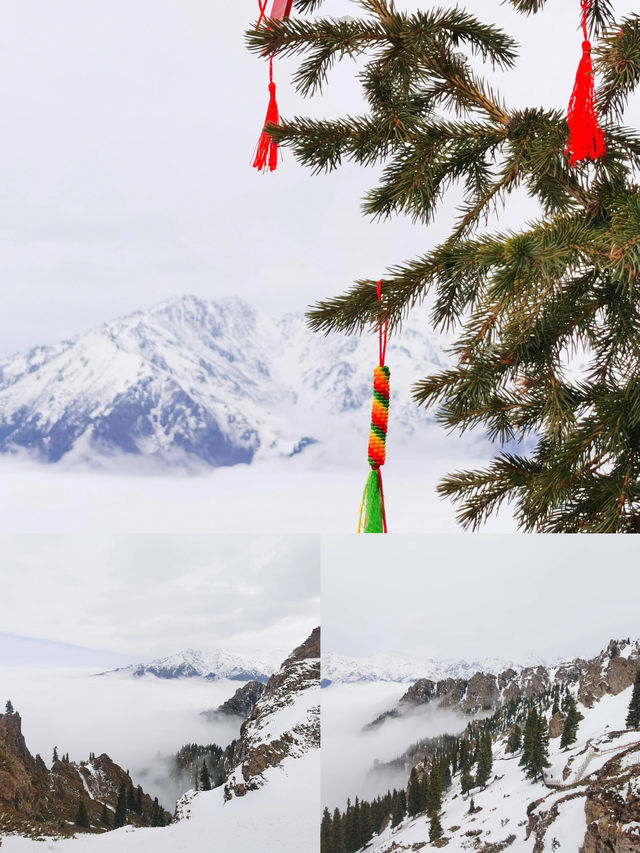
(586, 139)
(266, 158)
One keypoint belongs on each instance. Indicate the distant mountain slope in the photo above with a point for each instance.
(197, 664)
(611, 671)
(340, 669)
(193, 382)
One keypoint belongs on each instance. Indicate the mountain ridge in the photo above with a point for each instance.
(194, 663)
(341, 669)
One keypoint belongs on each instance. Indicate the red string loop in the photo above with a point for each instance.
(263, 10)
(382, 331)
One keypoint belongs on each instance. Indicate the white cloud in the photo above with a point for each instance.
(149, 595)
(478, 596)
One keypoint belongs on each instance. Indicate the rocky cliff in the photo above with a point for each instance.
(37, 800)
(241, 704)
(610, 672)
(284, 723)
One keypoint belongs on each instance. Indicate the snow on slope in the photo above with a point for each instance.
(193, 663)
(558, 822)
(284, 723)
(271, 800)
(191, 381)
(396, 668)
(282, 817)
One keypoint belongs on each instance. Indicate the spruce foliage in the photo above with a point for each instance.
(414, 798)
(326, 834)
(466, 782)
(8, 709)
(435, 827)
(633, 717)
(522, 303)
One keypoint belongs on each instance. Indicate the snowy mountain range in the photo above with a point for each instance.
(338, 669)
(197, 664)
(199, 383)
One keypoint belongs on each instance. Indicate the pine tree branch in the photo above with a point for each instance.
(421, 34)
(306, 6)
(599, 14)
(618, 64)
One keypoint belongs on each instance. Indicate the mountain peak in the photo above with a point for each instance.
(195, 382)
(194, 663)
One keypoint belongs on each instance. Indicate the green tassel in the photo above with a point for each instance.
(372, 504)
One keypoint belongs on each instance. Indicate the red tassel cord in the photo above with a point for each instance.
(266, 157)
(586, 139)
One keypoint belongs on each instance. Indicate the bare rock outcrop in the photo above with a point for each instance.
(285, 722)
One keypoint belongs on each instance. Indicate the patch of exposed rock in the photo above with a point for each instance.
(241, 703)
(36, 800)
(611, 672)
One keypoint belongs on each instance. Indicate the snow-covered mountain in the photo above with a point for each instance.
(271, 797)
(194, 382)
(197, 664)
(338, 669)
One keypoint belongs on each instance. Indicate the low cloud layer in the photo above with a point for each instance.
(349, 752)
(139, 723)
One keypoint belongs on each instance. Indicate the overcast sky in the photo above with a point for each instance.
(478, 596)
(148, 596)
(127, 135)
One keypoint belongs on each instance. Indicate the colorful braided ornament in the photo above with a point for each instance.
(373, 517)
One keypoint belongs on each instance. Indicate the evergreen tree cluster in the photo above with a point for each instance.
(348, 831)
(523, 300)
(203, 766)
(8, 708)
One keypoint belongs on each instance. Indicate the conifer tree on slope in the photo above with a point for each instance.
(485, 760)
(571, 723)
(326, 833)
(120, 816)
(520, 302)
(82, 817)
(515, 739)
(633, 717)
